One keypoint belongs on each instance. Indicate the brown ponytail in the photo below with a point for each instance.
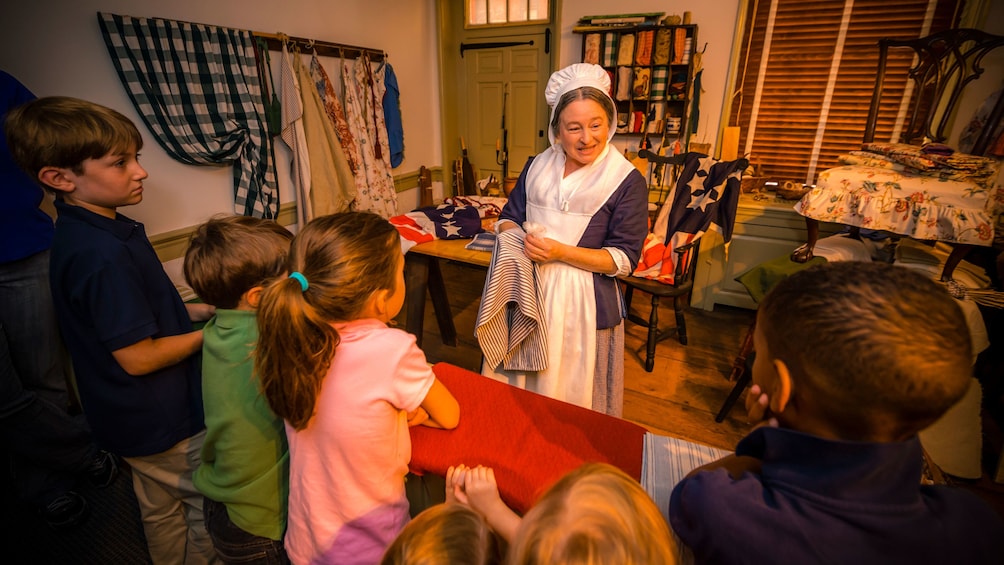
(344, 258)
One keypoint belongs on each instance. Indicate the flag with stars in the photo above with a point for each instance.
(704, 199)
(437, 222)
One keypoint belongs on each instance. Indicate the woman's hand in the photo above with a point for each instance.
(542, 249)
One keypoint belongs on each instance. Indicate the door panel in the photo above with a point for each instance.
(515, 75)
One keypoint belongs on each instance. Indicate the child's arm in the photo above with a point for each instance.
(442, 408)
(149, 355)
(199, 312)
(482, 493)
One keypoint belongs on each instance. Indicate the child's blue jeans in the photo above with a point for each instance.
(235, 545)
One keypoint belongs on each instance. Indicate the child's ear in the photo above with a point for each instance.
(253, 296)
(379, 300)
(780, 392)
(56, 178)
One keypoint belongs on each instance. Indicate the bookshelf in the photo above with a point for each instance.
(651, 68)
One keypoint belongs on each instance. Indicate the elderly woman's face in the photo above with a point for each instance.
(582, 131)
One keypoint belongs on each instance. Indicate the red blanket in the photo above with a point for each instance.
(529, 440)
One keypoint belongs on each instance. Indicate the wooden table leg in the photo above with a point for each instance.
(422, 273)
(416, 281)
(441, 304)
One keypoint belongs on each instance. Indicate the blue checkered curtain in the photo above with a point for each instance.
(196, 87)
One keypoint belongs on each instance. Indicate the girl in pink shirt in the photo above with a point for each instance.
(348, 387)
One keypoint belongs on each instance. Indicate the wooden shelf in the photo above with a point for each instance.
(651, 80)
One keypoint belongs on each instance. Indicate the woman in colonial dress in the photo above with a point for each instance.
(584, 208)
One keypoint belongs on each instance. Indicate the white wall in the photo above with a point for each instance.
(55, 48)
(716, 27)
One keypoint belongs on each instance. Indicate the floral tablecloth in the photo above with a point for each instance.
(918, 206)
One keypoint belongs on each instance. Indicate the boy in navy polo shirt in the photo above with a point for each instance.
(852, 360)
(129, 334)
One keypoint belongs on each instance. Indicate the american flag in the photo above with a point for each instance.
(705, 198)
(437, 222)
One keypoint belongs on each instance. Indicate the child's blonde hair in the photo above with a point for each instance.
(595, 515)
(344, 258)
(886, 349)
(446, 534)
(229, 255)
(59, 131)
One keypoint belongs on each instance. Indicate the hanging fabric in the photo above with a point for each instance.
(379, 196)
(293, 136)
(376, 102)
(332, 188)
(196, 87)
(336, 115)
(273, 110)
(392, 116)
(333, 108)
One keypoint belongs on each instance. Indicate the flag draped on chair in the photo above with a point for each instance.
(705, 198)
(196, 87)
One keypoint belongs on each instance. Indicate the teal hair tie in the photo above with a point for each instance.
(301, 279)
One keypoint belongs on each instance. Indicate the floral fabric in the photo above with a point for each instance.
(918, 206)
(363, 87)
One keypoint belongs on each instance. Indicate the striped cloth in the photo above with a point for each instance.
(665, 462)
(511, 328)
(484, 241)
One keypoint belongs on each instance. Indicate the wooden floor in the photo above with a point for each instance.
(688, 385)
(680, 397)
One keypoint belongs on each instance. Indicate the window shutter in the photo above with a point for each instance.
(806, 74)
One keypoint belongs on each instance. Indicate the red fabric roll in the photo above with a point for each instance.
(529, 440)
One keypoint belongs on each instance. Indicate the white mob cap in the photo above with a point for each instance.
(572, 77)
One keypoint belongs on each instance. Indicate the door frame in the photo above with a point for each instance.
(452, 76)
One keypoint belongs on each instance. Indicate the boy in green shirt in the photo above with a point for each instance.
(244, 473)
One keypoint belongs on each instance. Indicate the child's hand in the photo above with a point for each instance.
(455, 484)
(481, 489)
(417, 417)
(199, 312)
(758, 408)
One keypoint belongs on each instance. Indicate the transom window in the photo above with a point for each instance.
(500, 12)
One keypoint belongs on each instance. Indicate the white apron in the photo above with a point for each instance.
(565, 206)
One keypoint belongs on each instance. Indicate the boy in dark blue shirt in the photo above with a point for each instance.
(852, 360)
(128, 332)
